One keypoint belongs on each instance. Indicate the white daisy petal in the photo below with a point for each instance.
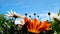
(11, 11)
(8, 15)
(15, 13)
(8, 12)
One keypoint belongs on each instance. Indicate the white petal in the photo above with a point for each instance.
(8, 12)
(11, 11)
(8, 15)
(14, 12)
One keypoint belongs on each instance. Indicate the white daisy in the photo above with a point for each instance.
(14, 14)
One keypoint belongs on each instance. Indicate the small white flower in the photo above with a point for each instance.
(52, 16)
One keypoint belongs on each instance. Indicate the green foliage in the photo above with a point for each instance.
(7, 26)
(56, 25)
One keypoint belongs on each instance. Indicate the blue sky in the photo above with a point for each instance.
(30, 6)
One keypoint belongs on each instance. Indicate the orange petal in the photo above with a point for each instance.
(25, 19)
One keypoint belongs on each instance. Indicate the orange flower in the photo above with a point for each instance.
(35, 26)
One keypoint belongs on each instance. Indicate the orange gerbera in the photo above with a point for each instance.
(35, 26)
